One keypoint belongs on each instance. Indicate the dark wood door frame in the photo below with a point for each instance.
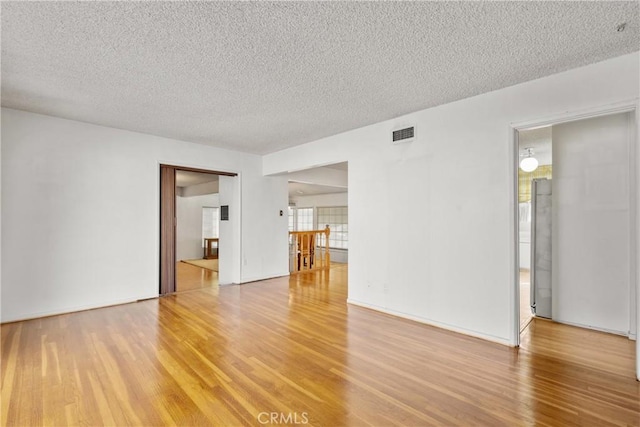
(168, 223)
(167, 229)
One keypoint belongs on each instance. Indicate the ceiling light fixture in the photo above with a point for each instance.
(621, 27)
(528, 163)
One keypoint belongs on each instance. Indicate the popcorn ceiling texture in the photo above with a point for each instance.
(262, 76)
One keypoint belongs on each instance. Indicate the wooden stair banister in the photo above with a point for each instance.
(305, 253)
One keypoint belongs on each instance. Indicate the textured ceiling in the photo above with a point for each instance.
(262, 76)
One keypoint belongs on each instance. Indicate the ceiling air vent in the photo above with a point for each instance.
(403, 135)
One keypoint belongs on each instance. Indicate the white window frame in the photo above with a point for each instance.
(297, 218)
(342, 230)
(216, 225)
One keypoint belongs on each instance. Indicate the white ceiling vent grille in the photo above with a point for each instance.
(403, 135)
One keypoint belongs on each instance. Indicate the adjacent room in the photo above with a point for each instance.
(534, 163)
(576, 223)
(197, 230)
(318, 217)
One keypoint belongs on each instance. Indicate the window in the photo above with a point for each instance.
(292, 219)
(305, 219)
(210, 218)
(336, 219)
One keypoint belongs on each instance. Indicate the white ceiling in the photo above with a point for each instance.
(344, 166)
(187, 178)
(297, 189)
(540, 141)
(319, 180)
(262, 76)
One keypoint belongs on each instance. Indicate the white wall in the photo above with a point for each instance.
(265, 256)
(525, 245)
(0, 222)
(448, 197)
(80, 213)
(229, 255)
(331, 199)
(189, 224)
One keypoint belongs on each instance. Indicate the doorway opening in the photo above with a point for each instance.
(189, 228)
(197, 230)
(318, 199)
(576, 222)
(534, 166)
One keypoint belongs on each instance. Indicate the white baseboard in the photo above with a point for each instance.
(593, 328)
(259, 278)
(67, 310)
(463, 331)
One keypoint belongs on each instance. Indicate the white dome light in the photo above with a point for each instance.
(529, 164)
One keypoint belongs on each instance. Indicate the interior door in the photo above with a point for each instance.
(541, 248)
(592, 223)
(167, 229)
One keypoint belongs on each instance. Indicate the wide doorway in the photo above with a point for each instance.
(193, 221)
(319, 225)
(577, 224)
(197, 230)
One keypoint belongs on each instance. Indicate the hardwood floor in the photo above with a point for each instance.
(525, 299)
(190, 277)
(291, 349)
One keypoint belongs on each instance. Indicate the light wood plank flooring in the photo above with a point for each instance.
(293, 347)
(190, 277)
(525, 299)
